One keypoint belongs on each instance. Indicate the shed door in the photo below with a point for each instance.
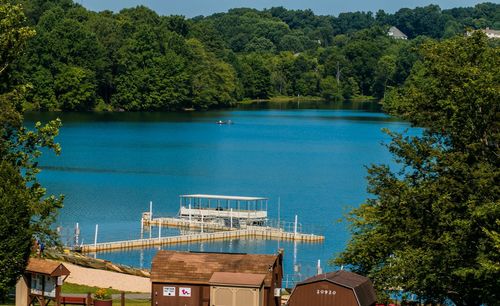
(246, 297)
(230, 296)
(222, 296)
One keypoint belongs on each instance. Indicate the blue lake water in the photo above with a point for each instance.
(310, 156)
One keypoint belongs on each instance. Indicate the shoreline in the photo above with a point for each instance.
(279, 99)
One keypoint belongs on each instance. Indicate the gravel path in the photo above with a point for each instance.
(107, 279)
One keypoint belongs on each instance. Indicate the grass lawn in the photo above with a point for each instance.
(132, 302)
(74, 288)
(8, 302)
(82, 289)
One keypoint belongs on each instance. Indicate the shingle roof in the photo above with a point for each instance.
(237, 279)
(47, 267)
(395, 32)
(491, 33)
(361, 285)
(198, 268)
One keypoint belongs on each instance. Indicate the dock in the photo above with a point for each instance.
(255, 232)
(217, 218)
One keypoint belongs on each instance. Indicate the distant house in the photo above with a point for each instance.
(340, 288)
(396, 33)
(204, 279)
(491, 33)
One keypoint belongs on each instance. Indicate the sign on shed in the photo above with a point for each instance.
(222, 279)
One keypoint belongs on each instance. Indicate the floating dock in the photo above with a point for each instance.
(258, 233)
(224, 217)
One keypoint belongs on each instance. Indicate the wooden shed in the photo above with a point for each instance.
(41, 283)
(340, 288)
(222, 279)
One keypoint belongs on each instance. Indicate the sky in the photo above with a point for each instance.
(191, 8)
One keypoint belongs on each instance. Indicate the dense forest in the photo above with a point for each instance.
(136, 60)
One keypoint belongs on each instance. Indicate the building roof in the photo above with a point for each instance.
(47, 267)
(395, 32)
(198, 268)
(491, 32)
(362, 286)
(237, 279)
(221, 197)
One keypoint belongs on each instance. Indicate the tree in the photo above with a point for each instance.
(330, 90)
(432, 227)
(15, 233)
(75, 89)
(212, 81)
(25, 211)
(255, 76)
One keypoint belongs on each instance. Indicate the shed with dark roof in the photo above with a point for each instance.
(332, 289)
(41, 282)
(46, 267)
(193, 278)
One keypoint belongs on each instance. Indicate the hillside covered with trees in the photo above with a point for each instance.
(136, 60)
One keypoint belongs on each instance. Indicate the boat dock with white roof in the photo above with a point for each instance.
(211, 217)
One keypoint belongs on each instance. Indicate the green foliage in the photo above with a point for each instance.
(13, 33)
(74, 88)
(26, 213)
(432, 227)
(330, 89)
(15, 232)
(136, 60)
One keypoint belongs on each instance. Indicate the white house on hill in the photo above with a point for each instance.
(396, 33)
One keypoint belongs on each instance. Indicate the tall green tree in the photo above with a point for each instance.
(431, 228)
(25, 211)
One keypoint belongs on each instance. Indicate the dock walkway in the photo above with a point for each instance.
(250, 232)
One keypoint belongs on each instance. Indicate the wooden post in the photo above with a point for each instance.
(58, 293)
(122, 299)
(88, 300)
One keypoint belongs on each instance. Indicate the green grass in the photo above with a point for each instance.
(8, 302)
(132, 302)
(82, 289)
(361, 98)
(74, 288)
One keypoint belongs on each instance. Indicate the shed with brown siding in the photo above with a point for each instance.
(191, 278)
(340, 288)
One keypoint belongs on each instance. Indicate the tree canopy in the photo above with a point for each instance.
(137, 60)
(432, 226)
(26, 212)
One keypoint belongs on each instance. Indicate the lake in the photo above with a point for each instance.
(310, 156)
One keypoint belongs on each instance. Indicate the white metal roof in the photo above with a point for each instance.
(221, 197)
